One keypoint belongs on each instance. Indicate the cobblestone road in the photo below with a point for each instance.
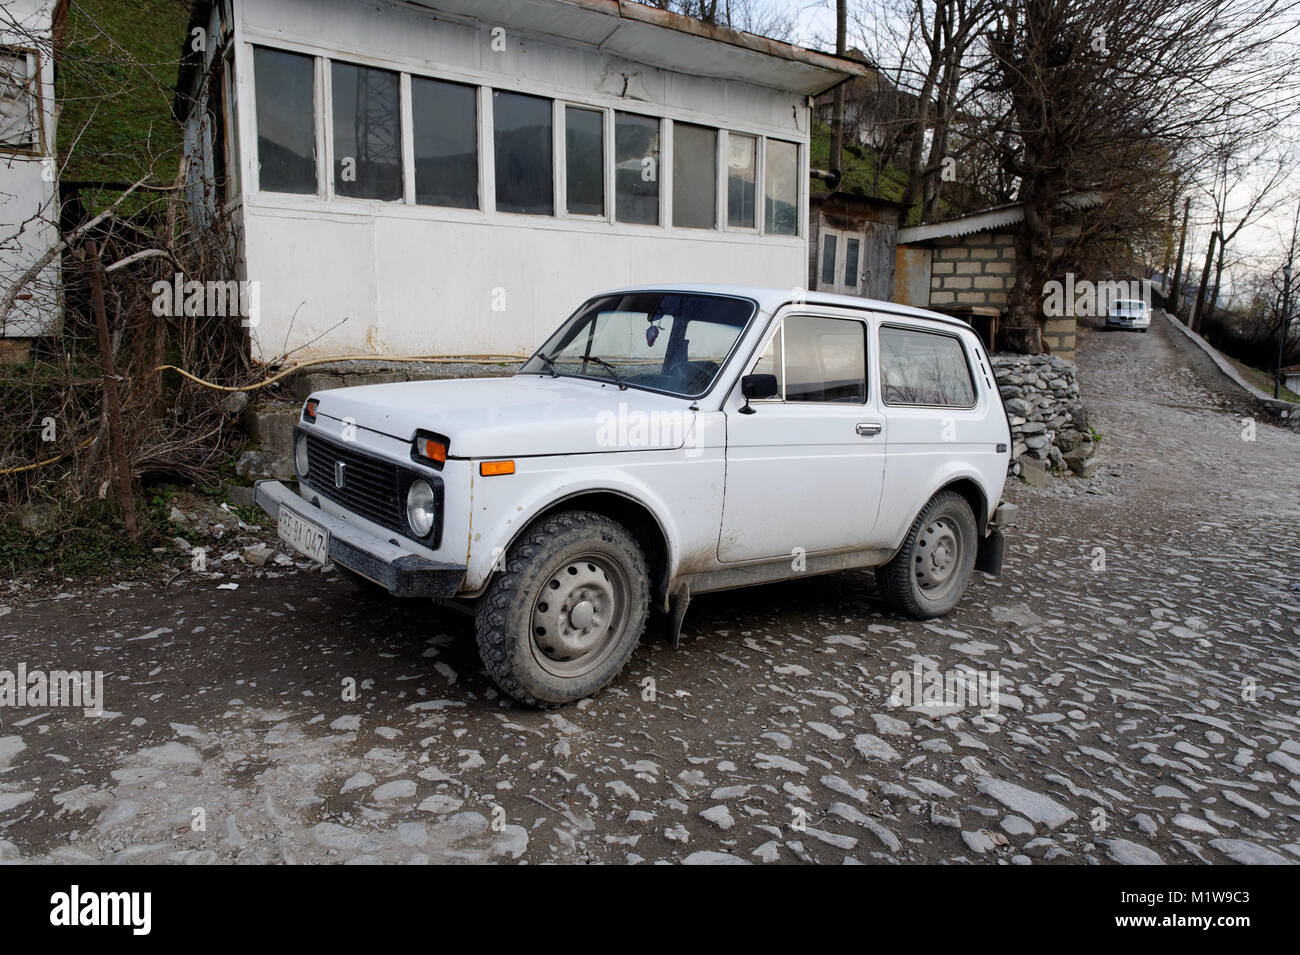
(1145, 637)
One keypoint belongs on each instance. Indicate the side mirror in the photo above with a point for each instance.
(756, 387)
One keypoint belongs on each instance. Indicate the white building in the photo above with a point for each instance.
(451, 177)
(29, 205)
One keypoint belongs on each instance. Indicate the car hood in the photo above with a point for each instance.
(516, 417)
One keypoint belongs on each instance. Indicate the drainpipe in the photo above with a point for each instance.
(829, 176)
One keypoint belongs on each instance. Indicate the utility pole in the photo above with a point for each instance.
(1178, 272)
(1286, 307)
(837, 108)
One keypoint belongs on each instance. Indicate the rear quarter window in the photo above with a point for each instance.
(924, 368)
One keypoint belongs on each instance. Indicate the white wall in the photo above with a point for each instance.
(413, 280)
(28, 186)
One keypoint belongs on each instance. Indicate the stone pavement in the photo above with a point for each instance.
(1126, 692)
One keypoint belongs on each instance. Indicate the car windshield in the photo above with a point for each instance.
(674, 342)
(1130, 305)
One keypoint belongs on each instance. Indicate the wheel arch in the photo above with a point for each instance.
(971, 490)
(643, 524)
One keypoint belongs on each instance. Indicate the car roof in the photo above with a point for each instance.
(771, 299)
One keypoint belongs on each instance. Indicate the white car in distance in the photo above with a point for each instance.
(1128, 313)
(663, 442)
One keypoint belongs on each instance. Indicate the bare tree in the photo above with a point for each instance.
(1246, 176)
(746, 15)
(1094, 97)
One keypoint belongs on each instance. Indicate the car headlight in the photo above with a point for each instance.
(420, 508)
(300, 455)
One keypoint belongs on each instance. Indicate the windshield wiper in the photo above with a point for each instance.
(618, 379)
(550, 364)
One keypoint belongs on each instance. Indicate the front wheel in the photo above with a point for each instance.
(564, 616)
(929, 574)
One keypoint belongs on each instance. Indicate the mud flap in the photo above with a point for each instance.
(677, 605)
(988, 559)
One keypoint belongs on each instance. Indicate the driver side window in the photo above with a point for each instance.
(818, 359)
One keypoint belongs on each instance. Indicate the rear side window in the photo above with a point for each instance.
(818, 359)
(924, 368)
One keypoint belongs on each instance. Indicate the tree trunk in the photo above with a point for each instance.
(1198, 315)
(112, 405)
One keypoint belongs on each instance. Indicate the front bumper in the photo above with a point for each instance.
(400, 572)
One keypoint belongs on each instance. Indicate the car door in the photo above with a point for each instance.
(805, 469)
(934, 414)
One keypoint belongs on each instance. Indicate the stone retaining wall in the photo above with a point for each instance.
(1049, 425)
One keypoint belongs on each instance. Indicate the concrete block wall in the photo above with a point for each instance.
(979, 270)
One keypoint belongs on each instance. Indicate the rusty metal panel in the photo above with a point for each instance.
(912, 276)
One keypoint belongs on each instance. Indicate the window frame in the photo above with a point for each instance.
(725, 163)
(404, 132)
(556, 154)
(800, 188)
(779, 332)
(486, 209)
(411, 196)
(961, 345)
(320, 135)
(562, 107)
(39, 147)
(718, 193)
(663, 174)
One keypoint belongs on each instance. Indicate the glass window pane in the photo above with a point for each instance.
(19, 109)
(781, 188)
(825, 360)
(667, 341)
(636, 169)
(742, 152)
(924, 368)
(367, 132)
(695, 176)
(286, 120)
(770, 363)
(584, 158)
(522, 145)
(829, 243)
(445, 118)
(851, 247)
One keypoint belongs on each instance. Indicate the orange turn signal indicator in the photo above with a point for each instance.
(493, 468)
(309, 410)
(431, 449)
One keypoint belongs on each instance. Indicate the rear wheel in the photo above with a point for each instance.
(930, 572)
(564, 616)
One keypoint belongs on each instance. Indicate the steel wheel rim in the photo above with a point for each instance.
(940, 548)
(579, 614)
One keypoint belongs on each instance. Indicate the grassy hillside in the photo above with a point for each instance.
(114, 87)
(859, 168)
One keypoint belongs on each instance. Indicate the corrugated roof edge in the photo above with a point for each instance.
(986, 219)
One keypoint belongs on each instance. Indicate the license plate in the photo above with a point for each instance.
(304, 536)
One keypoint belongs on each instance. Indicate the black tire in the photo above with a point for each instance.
(944, 538)
(542, 652)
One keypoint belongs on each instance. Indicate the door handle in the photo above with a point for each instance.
(868, 429)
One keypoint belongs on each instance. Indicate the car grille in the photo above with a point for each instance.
(371, 488)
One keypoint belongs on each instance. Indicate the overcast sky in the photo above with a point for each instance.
(1262, 243)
